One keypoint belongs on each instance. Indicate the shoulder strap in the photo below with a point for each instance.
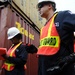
(14, 48)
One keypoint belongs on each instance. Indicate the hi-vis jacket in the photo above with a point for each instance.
(63, 26)
(49, 39)
(15, 59)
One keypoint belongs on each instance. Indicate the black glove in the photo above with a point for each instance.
(61, 64)
(67, 60)
(31, 48)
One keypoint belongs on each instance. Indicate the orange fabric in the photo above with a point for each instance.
(8, 67)
(10, 50)
(47, 32)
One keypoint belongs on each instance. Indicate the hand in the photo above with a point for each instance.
(31, 49)
(56, 69)
(67, 60)
(61, 64)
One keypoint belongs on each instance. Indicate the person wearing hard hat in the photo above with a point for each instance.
(56, 52)
(16, 56)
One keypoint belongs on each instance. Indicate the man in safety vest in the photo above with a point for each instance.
(16, 56)
(55, 53)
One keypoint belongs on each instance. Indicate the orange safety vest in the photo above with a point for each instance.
(11, 53)
(49, 39)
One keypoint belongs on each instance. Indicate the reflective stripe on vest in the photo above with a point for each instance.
(49, 39)
(11, 53)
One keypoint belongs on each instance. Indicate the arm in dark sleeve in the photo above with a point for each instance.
(61, 64)
(21, 56)
(68, 60)
(69, 21)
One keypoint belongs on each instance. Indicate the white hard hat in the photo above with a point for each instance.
(39, 1)
(12, 32)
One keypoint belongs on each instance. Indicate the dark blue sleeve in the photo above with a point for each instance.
(69, 21)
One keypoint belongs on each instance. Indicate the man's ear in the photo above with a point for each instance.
(50, 6)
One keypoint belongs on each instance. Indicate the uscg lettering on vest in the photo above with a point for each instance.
(50, 41)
